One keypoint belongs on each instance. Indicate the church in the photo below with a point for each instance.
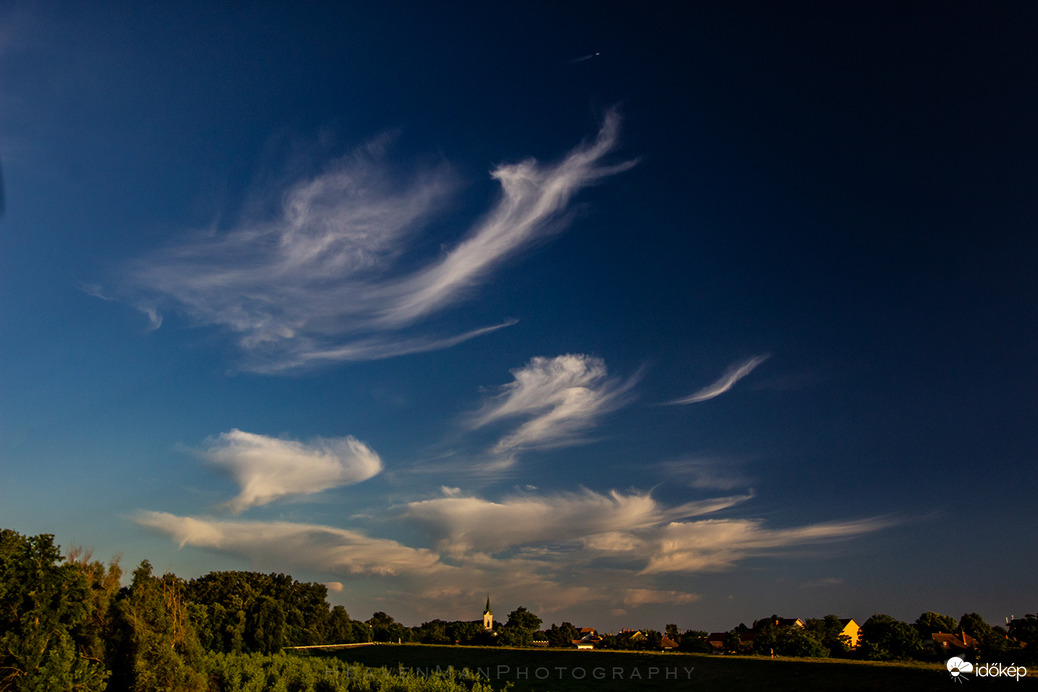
(488, 617)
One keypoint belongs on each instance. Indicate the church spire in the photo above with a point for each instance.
(488, 617)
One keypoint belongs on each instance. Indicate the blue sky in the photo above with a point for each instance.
(629, 315)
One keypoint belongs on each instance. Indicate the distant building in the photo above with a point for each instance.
(734, 641)
(488, 617)
(852, 630)
(953, 643)
(790, 622)
(588, 638)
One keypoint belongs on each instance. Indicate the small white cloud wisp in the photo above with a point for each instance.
(330, 277)
(268, 469)
(560, 398)
(732, 375)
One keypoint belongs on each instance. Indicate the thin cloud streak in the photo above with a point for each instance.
(633, 598)
(732, 375)
(268, 469)
(582, 58)
(376, 348)
(325, 279)
(718, 544)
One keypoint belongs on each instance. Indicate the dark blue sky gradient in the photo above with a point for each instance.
(850, 189)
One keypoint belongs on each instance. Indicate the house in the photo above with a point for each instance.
(668, 644)
(588, 638)
(852, 630)
(718, 641)
(953, 643)
(633, 635)
(790, 622)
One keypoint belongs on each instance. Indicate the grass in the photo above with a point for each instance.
(558, 670)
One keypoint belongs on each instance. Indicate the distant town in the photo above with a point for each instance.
(933, 636)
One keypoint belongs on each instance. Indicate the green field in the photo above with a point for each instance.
(609, 671)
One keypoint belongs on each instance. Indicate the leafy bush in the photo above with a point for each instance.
(237, 672)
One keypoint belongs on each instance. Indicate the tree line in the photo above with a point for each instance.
(66, 622)
(885, 638)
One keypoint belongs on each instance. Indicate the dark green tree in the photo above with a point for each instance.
(800, 643)
(432, 632)
(340, 627)
(102, 582)
(523, 619)
(930, 623)
(828, 632)
(1023, 639)
(614, 642)
(520, 628)
(992, 640)
(160, 646)
(385, 629)
(267, 632)
(883, 639)
(562, 635)
(238, 605)
(695, 641)
(785, 639)
(468, 632)
(733, 642)
(44, 604)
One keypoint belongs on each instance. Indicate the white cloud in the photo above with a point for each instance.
(632, 598)
(267, 469)
(538, 549)
(732, 375)
(635, 529)
(466, 524)
(822, 583)
(284, 545)
(718, 544)
(561, 397)
(707, 473)
(326, 279)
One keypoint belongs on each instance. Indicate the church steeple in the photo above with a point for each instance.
(488, 617)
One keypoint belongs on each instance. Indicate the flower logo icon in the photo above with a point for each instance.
(956, 666)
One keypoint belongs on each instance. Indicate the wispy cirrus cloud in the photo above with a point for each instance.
(464, 524)
(718, 544)
(307, 546)
(733, 374)
(560, 398)
(326, 278)
(267, 468)
(633, 598)
(536, 547)
(706, 473)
